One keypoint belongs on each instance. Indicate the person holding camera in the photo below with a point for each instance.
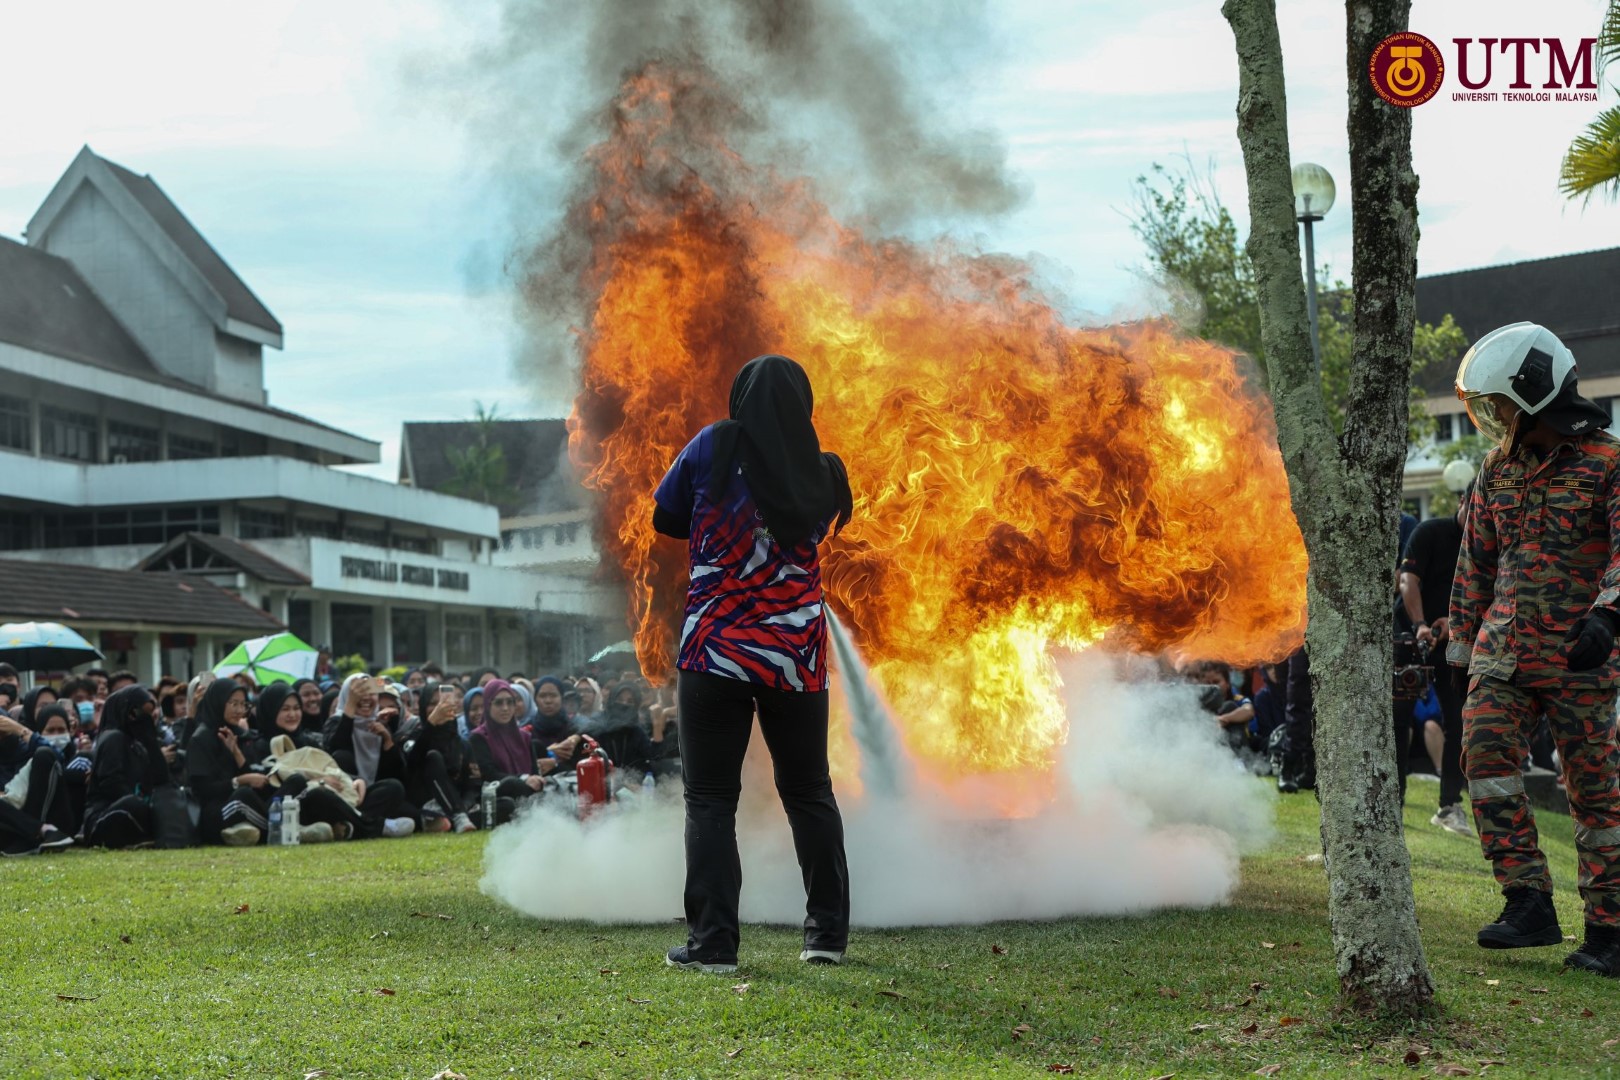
(1428, 567)
(1533, 618)
(362, 741)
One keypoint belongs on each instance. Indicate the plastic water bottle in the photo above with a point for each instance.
(290, 812)
(275, 821)
(648, 782)
(489, 804)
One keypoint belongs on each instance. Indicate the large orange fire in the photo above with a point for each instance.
(1019, 483)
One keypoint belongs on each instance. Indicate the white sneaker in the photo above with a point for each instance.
(396, 827)
(243, 835)
(822, 956)
(463, 823)
(1453, 819)
(316, 832)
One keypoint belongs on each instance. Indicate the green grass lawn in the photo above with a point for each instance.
(277, 963)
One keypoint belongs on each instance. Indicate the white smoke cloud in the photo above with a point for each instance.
(1152, 812)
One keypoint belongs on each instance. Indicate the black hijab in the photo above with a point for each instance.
(797, 488)
(124, 713)
(31, 706)
(269, 704)
(297, 688)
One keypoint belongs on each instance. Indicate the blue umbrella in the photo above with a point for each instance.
(44, 646)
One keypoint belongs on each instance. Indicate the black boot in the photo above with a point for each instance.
(1599, 953)
(1527, 920)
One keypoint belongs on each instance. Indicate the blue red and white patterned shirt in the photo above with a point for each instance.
(753, 611)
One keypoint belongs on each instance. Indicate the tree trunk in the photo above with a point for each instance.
(1345, 494)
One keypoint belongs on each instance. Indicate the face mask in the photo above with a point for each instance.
(57, 742)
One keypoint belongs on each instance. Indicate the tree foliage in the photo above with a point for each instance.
(1193, 245)
(480, 467)
(1592, 163)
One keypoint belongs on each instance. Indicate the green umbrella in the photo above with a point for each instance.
(277, 658)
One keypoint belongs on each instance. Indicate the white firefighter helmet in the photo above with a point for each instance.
(1522, 362)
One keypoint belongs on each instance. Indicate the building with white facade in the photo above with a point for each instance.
(136, 436)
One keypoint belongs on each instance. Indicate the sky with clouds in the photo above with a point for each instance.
(304, 140)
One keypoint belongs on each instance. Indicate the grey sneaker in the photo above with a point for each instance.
(396, 827)
(243, 835)
(1453, 819)
(678, 957)
(822, 956)
(316, 832)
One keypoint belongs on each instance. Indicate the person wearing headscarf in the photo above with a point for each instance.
(505, 752)
(591, 701)
(35, 700)
(35, 813)
(620, 734)
(128, 765)
(472, 711)
(362, 741)
(753, 496)
(233, 795)
(310, 698)
(436, 773)
(280, 712)
(550, 722)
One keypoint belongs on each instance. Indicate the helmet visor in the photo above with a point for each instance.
(1489, 416)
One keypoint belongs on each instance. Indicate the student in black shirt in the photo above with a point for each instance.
(1428, 565)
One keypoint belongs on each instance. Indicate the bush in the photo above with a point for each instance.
(348, 665)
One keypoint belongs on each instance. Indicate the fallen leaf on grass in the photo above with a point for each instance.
(1021, 1030)
(639, 1001)
(1493, 982)
(431, 915)
(1268, 1070)
(998, 950)
(75, 997)
(1307, 992)
(943, 967)
(124, 938)
(1201, 1027)
(1536, 1020)
(378, 934)
(1250, 1029)
(383, 991)
(1245, 1003)
(1165, 991)
(1166, 1076)
(606, 971)
(1539, 990)
(1257, 987)
(1065, 1069)
(1452, 1070)
(446, 1074)
(316, 1074)
(1412, 1057)
(897, 995)
(734, 1053)
(1288, 1021)
(1587, 1014)
(741, 988)
(1514, 1001)
(1610, 1042)
(241, 909)
(1487, 1064)
(583, 1043)
(1096, 1040)
(1268, 944)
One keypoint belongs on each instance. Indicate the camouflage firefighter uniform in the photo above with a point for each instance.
(1539, 552)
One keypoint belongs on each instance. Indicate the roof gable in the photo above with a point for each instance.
(46, 306)
(532, 449)
(230, 304)
(65, 591)
(205, 553)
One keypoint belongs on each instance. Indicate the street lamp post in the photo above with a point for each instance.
(1313, 198)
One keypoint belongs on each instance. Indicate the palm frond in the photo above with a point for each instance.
(1608, 43)
(1592, 163)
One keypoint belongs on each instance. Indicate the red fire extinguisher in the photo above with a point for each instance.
(591, 774)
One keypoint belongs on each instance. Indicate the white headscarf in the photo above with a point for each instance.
(367, 746)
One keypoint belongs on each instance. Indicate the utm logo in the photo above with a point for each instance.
(1406, 69)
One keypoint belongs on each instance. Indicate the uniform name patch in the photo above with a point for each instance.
(1506, 483)
(1574, 483)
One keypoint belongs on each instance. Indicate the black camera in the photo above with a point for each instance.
(1412, 670)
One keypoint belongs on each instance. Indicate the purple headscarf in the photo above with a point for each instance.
(508, 744)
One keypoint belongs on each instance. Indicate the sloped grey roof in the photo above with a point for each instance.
(240, 303)
(535, 452)
(62, 592)
(1576, 296)
(46, 306)
(243, 556)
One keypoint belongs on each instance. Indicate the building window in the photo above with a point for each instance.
(64, 433)
(301, 620)
(16, 424)
(148, 526)
(463, 639)
(132, 442)
(374, 537)
(16, 532)
(187, 448)
(422, 545)
(315, 527)
(1442, 428)
(254, 524)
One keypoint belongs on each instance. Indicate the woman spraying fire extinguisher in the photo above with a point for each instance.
(753, 496)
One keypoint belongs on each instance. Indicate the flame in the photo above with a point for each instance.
(1019, 483)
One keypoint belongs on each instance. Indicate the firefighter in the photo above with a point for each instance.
(1533, 619)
